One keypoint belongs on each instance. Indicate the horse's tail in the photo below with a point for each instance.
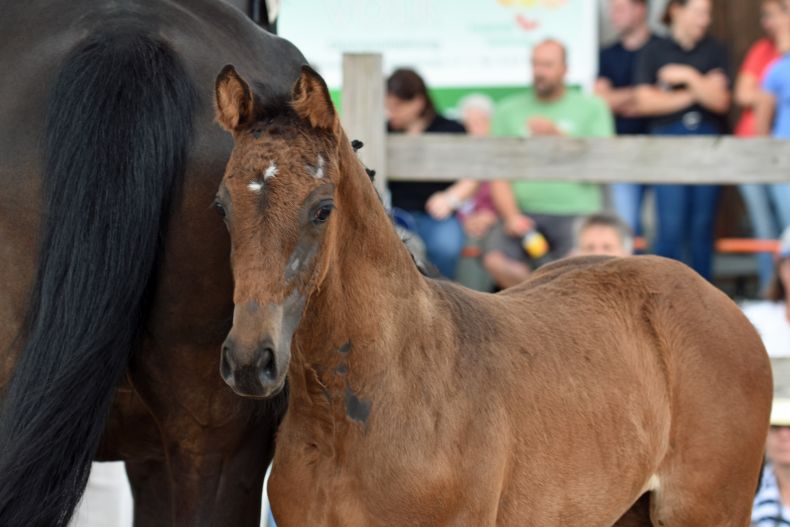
(119, 122)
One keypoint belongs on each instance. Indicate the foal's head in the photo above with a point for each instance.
(276, 199)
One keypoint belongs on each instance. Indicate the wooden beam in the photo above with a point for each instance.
(363, 111)
(641, 159)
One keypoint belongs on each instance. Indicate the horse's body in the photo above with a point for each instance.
(558, 402)
(601, 391)
(98, 100)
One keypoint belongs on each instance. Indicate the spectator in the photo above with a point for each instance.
(603, 234)
(615, 86)
(430, 204)
(478, 214)
(683, 84)
(772, 317)
(772, 113)
(758, 198)
(476, 110)
(551, 207)
(772, 502)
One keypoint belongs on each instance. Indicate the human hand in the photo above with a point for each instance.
(676, 74)
(542, 126)
(441, 205)
(518, 225)
(477, 224)
(717, 77)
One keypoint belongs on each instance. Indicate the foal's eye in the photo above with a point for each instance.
(219, 208)
(322, 213)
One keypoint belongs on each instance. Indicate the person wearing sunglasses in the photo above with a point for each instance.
(772, 502)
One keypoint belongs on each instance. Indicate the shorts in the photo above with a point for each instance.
(557, 229)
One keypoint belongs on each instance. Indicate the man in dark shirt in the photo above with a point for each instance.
(615, 85)
(617, 63)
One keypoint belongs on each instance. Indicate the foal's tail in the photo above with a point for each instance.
(119, 123)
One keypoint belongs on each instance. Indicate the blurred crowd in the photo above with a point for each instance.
(677, 84)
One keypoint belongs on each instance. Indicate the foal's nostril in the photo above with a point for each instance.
(225, 365)
(267, 365)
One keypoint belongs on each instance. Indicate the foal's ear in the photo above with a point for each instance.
(234, 98)
(310, 99)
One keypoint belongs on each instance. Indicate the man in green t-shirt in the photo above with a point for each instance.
(551, 207)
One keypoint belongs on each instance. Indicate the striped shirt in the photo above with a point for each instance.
(768, 510)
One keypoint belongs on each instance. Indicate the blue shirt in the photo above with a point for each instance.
(617, 64)
(777, 83)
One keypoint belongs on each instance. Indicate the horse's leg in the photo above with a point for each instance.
(150, 484)
(638, 515)
(220, 489)
(702, 495)
(199, 489)
(721, 403)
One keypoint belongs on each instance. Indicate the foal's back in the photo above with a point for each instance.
(622, 376)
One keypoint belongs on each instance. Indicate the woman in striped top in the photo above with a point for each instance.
(772, 503)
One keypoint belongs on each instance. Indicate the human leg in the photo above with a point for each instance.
(702, 219)
(671, 208)
(627, 202)
(780, 195)
(757, 199)
(503, 258)
(444, 240)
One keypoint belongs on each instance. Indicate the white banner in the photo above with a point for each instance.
(452, 43)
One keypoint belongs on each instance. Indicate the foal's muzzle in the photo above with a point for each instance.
(251, 373)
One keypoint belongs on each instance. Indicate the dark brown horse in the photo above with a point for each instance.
(115, 291)
(599, 388)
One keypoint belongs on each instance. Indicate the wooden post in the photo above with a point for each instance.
(363, 111)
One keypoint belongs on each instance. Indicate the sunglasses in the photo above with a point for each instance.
(776, 428)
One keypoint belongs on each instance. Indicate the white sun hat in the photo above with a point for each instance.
(780, 413)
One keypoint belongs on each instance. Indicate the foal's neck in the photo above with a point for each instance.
(351, 327)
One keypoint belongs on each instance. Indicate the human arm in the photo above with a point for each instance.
(516, 223)
(771, 91)
(709, 90)
(478, 223)
(747, 89)
(442, 204)
(764, 112)
(747, 83)
(543, 127)
(620, 100)
(652, 101)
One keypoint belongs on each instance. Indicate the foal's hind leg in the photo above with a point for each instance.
(699, 497)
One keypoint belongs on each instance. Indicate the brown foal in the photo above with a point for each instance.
(601, 391)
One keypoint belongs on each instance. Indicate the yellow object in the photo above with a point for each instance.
(535, 244)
